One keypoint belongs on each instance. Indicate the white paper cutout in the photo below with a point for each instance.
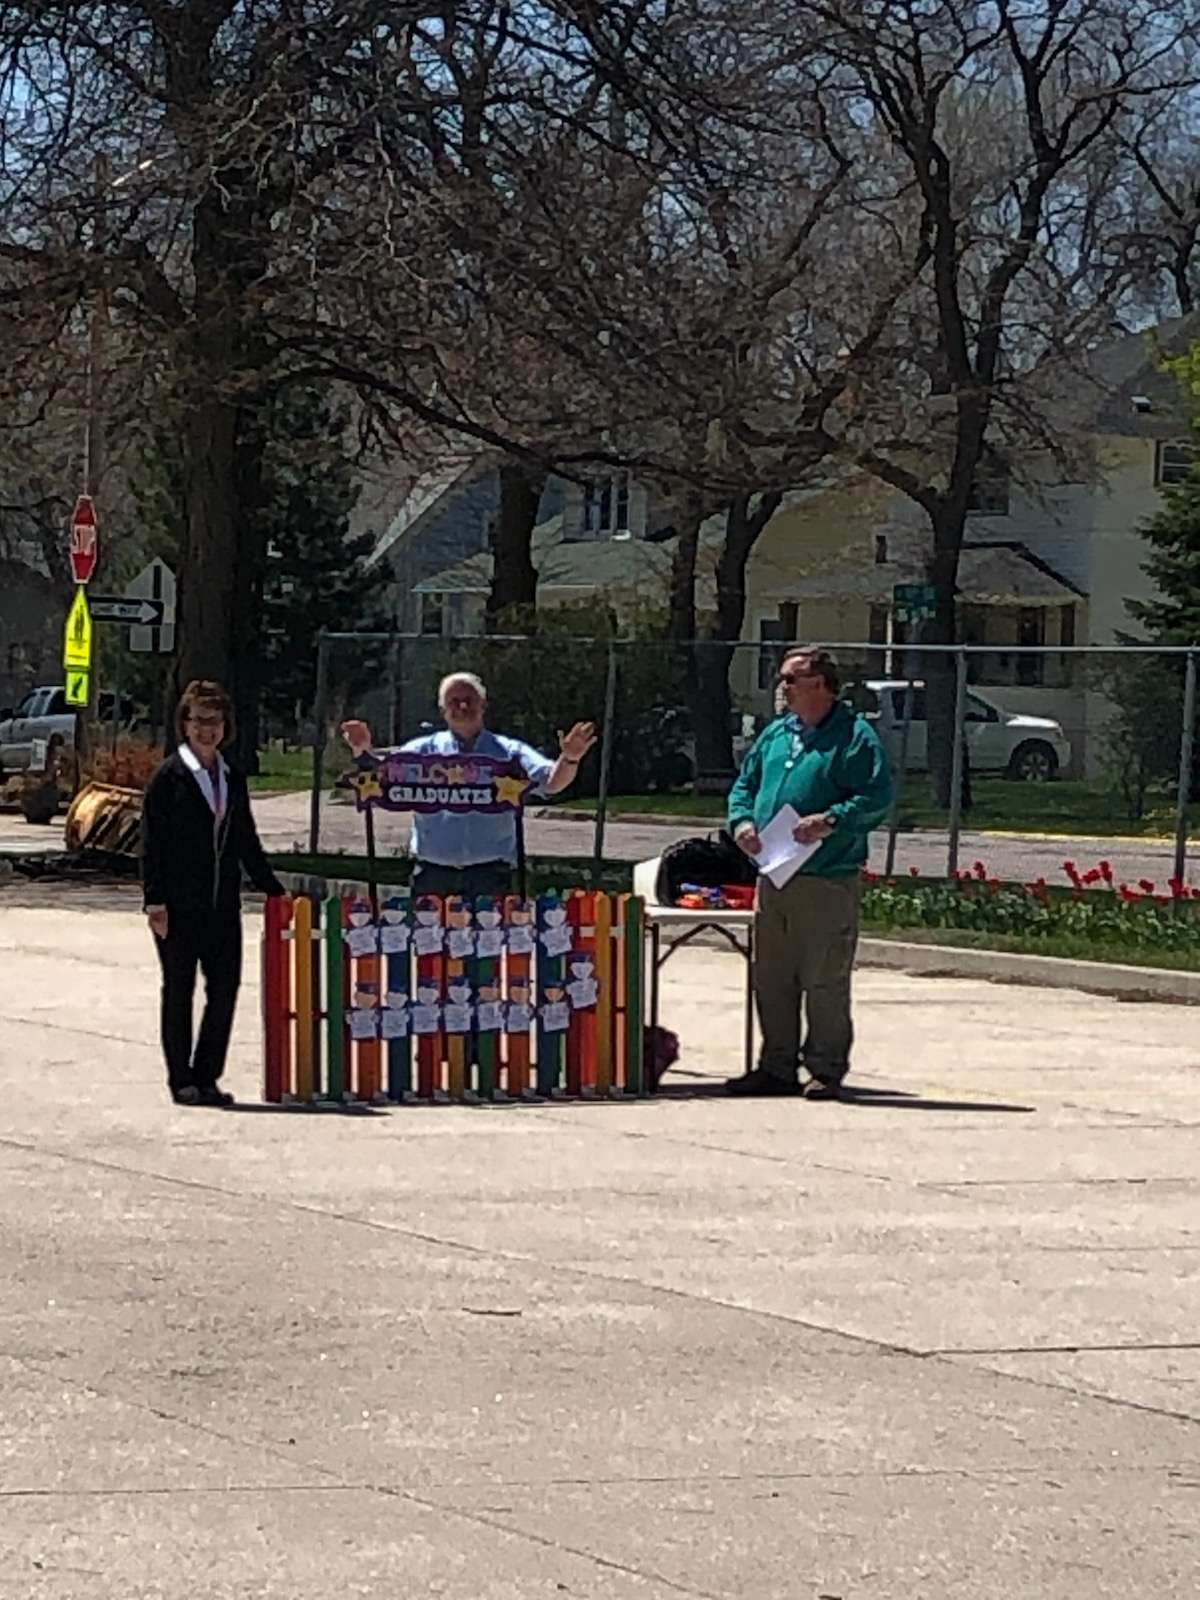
(428, 941)
(557, 940)
(362, 941)
(456, 1017)
(461, 943)
(426, 1019)
(395, 1022)
(489, 1016)
(520, 939)
(584, 992)
(489, 941)
(394, 938)
(556, 1015)
(517, 1017)
(364, 1024)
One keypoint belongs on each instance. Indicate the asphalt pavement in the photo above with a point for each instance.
(283, 821)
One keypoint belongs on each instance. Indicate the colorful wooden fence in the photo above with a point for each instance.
(440, 1000)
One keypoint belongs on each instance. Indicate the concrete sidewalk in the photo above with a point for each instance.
(940, 1343)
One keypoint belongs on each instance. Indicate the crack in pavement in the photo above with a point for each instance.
(337, 1481)
(1063, 1349)
(588, 1274)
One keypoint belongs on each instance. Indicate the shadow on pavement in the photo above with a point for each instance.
(896, 1099)
(325, 1109)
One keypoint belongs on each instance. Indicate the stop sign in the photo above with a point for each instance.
(85, 541)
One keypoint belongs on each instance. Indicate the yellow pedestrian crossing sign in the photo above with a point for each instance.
(78, 688)
(77, 637)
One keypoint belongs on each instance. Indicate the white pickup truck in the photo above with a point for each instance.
(1027, 748)
(44, 719)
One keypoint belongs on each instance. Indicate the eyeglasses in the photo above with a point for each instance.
(797, 677)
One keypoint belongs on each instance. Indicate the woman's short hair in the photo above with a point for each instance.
(822, 663)
(204, 694)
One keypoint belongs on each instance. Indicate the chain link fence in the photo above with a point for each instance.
(1016, 757)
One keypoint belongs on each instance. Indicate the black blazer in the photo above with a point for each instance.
(188, 863)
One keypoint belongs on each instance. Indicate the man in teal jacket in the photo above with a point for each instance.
(828, 763)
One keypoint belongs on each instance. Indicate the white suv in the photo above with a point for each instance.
(1029, 749)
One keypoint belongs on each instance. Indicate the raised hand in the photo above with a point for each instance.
(578, 741)
(357, 735)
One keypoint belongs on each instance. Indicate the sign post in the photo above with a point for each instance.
(155, 584)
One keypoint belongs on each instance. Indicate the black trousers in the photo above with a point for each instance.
(484, 877)
(212, 941)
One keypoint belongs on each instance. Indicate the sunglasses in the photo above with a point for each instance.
(797, 677)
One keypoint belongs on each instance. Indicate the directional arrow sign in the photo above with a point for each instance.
(117, 608)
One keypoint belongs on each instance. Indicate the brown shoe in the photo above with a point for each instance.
(823, 1089)
(760, 1083)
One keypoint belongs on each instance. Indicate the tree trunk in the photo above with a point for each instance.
(937, 667)
(712, 701)
(208, 578)
(512, 598)
(681, 614)
(252, 556)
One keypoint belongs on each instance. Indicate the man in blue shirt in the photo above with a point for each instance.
(475, 853)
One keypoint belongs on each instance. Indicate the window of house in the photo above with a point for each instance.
(990, 490)
(1066, 636)
(606, 504)
(1031, 631)
(881, 549)
(433, 614)
(772, 637)
(918, 703)
(1172, 463)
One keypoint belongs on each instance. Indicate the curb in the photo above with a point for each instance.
(1154, 842)
(1046, 972)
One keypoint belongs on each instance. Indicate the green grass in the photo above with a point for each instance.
(1067, 808)
(282, 771)
(675, 804)
(1071, 947)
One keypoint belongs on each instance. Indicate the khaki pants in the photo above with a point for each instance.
(805, 936)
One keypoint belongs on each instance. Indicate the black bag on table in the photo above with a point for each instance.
(707, 861)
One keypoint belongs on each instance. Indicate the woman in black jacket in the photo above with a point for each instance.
(197, 835)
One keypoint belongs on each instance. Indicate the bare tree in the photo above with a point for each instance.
(995, 116)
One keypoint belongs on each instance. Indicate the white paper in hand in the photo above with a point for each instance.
(782, 855)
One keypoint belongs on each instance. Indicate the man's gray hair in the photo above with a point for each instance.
(471, 678)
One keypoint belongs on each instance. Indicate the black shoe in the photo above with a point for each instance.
(823, 1089)
(189, 1095)
(761, 1083)
(210, 1095)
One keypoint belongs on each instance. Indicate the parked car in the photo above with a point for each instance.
(44, 716)
(1023, 747)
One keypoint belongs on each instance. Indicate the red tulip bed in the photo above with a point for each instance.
(1089, 914)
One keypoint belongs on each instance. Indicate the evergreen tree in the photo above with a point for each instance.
(1173, 566)
(1148, 694)
(315, 574)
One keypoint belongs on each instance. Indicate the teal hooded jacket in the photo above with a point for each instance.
(839, 767)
